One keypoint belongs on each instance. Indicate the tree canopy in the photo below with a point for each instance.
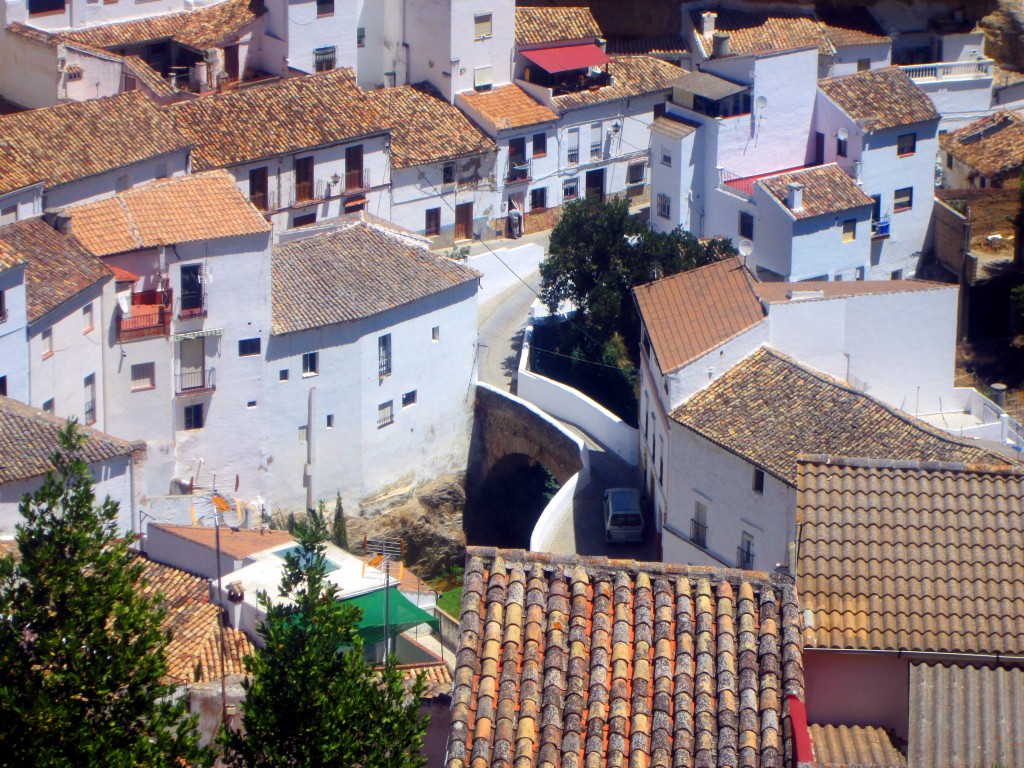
(312, 699)
(82, 652)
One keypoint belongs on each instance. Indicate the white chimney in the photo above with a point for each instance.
(795, 197)
(719, 45)
(707, 23)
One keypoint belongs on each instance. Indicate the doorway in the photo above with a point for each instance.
(231, 64)
(819, 149)
(595, 184)
(463, 221)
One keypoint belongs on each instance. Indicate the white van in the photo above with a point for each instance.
(623, 519)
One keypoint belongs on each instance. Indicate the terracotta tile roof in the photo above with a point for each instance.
(579, 661)
(631, 76)
(194, 623)
(294, 114)
(673, 126)
(56, 145)
(879, 98)
(536, 25)
(210, 27)
(965, 716)
(427, 129)
(689, 314)
(183, 209)
(911, 556)
(851, 26)
(779, 293)
(354, 273)
(993, 145)
(769, 409)
(237, 544)
(29, 437)
(826, 190)
(762, 31)
(1003, 77)
(664, 45)
(149, 76)
(846, 746)
(33, 34)
(508, 106)
(59, 267)
(436, 675)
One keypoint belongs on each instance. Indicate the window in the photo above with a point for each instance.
(746, 225)
(87, 324)
(330, 421)
(573, 154)
(303, 434)
(540, 144)
(435, 333)
(596, 141)
(949, 161)
(863, 65)
(699, 524)
(45, 6)
(745, 552)
(324, 7)
(192, 304)
(482, 26)
(194, 416)
(311, 364)
(283, 374)
(47, 343)
(666, 158)
(483, 77)
(758, 480)
(636, 172)
(89, 390)
(303, 179)
(303, 221)
(538, 199)
(849, 230)
(8, 215)
(409, 398)
(842, 146)
(48, 406)
(664, 206)
(360, 37)
(248, 347)
(897, 274)
(906, 144)
(432, 224)
(661, 460)
(384, 355)
(258, 188)
(121, 183)
(448, 173)
(3, 386)
(385, 414)
(903, 199)
(324, 58)
(570, 190)
(143, 376)
(251, 404)
(659, 109)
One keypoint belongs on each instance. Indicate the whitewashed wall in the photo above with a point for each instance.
(105, 185)
(28, 70)
(307, 31)
(13, 339)
(847, 57)
(27, 201)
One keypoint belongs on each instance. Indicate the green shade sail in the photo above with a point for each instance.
(402, 613)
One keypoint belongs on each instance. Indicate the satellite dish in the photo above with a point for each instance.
(745, 247)
(843, 134)
(124, 301)
(761, 102)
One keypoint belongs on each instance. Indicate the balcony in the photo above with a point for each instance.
(744, 559)
(519, 170)
(699, 534)
(195, 382)
(949, 70)
(357, 180)
(880, 228)
(192, 305)
(150, 315)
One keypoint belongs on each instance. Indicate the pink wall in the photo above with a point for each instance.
(857, 689)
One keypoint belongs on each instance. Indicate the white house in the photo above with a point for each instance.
(13, 323)
(85, 151)
(29, 437)
(305, 149)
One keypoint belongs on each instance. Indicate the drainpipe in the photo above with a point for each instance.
(311, 450)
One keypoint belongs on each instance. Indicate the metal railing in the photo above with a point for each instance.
(745, 559)
(574, 156)
(384, 365)
(192, 305)
(597, 150)
(950, 70)
(699, 534)
(196, 381)
(357, 180)
(385, 418)
(153, 318)
(519, 171)
(90, 412)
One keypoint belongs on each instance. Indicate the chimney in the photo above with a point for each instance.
(59, 220)
(719, 45)
(795, 197)
(707, 23)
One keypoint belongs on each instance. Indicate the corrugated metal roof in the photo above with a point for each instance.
(963, 717)
(854, 746)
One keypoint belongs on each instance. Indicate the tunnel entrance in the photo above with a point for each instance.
(507, 505)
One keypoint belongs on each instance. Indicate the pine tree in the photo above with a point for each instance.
(82, 653)
(339, 532)
(312, 700)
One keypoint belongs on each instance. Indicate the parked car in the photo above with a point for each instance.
(623, 518)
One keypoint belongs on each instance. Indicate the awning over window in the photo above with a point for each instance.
(403, 615)
(566, 58)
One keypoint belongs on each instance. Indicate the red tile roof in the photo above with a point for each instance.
(237, 544)
(879, 98)
(536, 25)
(631, 76)
(993, 145)
(827, 189)
(692, 313)
(762, 31)
(508, 106)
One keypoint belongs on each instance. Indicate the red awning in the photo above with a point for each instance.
(567, 57)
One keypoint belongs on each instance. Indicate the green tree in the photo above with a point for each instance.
(339, 532)
(82, 652)
(312, 700)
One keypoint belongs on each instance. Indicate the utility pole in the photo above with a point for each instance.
(386, 550)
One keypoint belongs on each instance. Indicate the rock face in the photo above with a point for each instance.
(1004, 33)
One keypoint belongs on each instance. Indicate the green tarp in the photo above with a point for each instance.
(403, 614)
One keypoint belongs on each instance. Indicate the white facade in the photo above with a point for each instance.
(92, 188)
(13, 323)
(855, 58)
(418, 189)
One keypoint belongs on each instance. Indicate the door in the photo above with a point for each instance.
(463, 221)
(231, 62)
(595, 184)
(258, 188)
(191, 291)
(303, 179)
(193, 354)
(354, 169)
(819, 149)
